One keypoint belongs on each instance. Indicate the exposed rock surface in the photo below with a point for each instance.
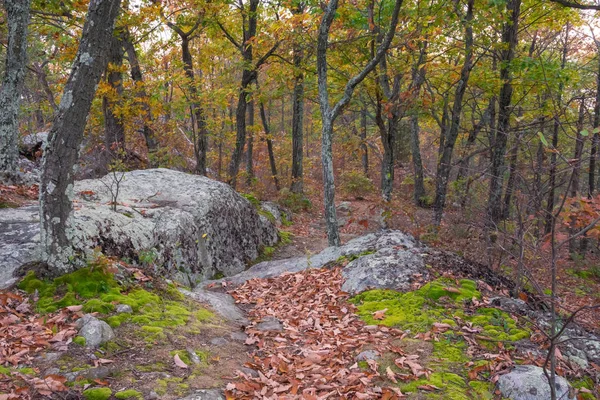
(94, 331)
(206, 394)
(392, 266)
(528, 382)
(19, 236)
(269, 324)
(189, 225)
(278, 212)
(222, 303)
(394, 240)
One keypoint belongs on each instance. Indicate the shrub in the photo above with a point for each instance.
(356, 184)
(295, 202)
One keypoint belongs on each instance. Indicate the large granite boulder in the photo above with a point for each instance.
(187, 227)
(528, 382)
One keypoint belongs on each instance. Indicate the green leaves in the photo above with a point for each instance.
(543, 139)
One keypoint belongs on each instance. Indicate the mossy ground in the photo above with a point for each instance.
(163, 323)
(441, 301)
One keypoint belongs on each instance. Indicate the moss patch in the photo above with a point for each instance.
(443, 300)
(129, 394)
(97, 394)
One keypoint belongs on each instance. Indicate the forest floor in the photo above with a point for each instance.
(170, 350)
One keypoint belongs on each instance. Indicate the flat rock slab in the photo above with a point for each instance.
(528, 382)
(221, 303)
(373, 242)
(206, 394)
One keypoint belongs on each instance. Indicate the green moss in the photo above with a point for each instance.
(452, 386)
(80, 340)
(4, 370)
(152, 334)
(27, 371)
(285, 221)
(483, 389)
(129, 394)
(171, 385)
(97, 305)
(183, 356)
(203, 315)
(97, 394)
(156, 367)
(363, 365)
(111, 347)
(285, 237)
(268, 215)
(252, 199)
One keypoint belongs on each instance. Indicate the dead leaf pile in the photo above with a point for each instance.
(23, 335)
(313, 357)
(18, 195)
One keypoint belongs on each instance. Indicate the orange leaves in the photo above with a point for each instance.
(379, 315)
(313, 357)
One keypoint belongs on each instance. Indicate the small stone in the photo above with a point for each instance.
(124, 309)
(218, 341)
(238, 336)
(94, 331)
(152, 396)
(249, 371)
(51, 356)
(193, 356)
(97, 373)
(52, 371)
(269, 324)
(367, 355)
(528, 382)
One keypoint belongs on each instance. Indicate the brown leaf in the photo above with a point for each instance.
(178, 362)
(379, 315)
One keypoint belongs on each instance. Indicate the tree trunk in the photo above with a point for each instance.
(512, 172)
(114, 131)
(419, 189)
(17, 15)
(267, 129)
(297, 107)
(56, 189)
(595, 138)
(509, 39)
(142, 99)
(444, 165)
(553, 156)
(363, 140)
(250, 147)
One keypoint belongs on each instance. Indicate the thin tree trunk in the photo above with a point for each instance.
(596, 137)
(555, 130)
(56, 189)
(267, 129)
(444, 164)
(509, 39)
(415, 141)
(512, 178)
(297, 107)
(363, 140)
(142, 99)
(537, 181)
(250, 147)
(114, 131)
(17, 15)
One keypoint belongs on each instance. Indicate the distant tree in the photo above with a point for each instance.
(66, 134)
(17, 15)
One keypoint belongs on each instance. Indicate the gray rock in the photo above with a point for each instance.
(270, 269)
(33, 142)
(193, 356)
(194, 226)
(51, 356)
(94, 331)
(278, 212)
(152, 396)
(388, 268)
(269, 324)
(19, 238)
(221, 303)
(124, 309)
(368, 355)
(52, 371)
(218, 341)
(90, 373)
(205, 394)
(238, 336)
(249, 371)
(344, 208)
(528, 382)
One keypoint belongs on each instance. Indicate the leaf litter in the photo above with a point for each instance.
(314, 355)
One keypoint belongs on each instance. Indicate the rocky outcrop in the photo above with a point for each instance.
(528, 382)
(185, 226)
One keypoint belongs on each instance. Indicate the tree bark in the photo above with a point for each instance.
(297, 107)
(415, 143)
(553, 156)
(267, 129)
(142, 99)
(329, 114)
(17, 15)
(114, 131)
(444, 165)
(66, 134)
(250, 147)
(363, 140)
(509, 40)
(197, 113)
(596, 138)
